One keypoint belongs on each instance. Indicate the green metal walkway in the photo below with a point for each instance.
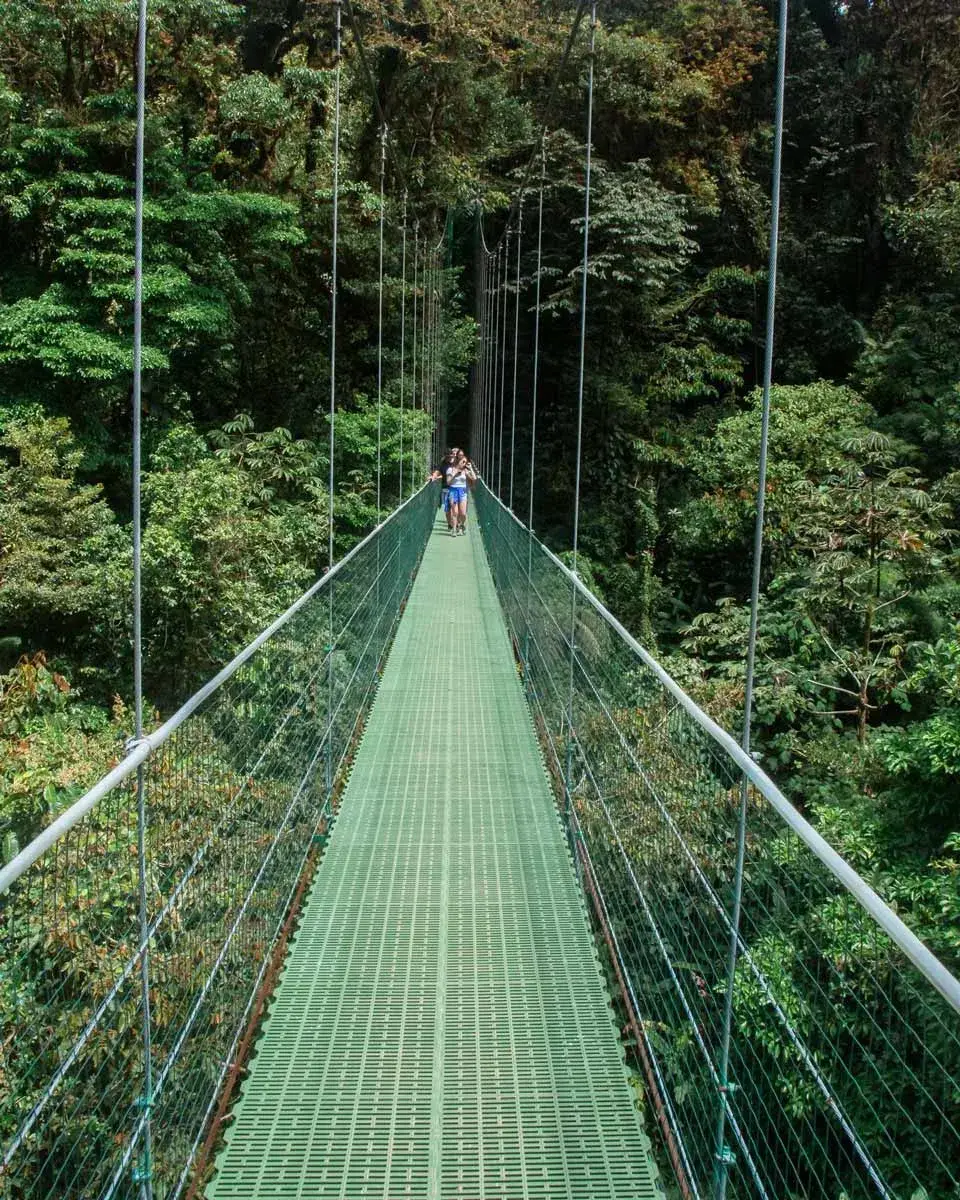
(441, 1028)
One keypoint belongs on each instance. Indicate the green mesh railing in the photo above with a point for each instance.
(844, 1077)
(239, 786)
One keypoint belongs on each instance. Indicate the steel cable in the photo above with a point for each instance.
(721, 1155)
(516, 342)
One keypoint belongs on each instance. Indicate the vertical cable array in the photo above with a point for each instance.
(583, 349)
(143, 1173)
(723, 1157)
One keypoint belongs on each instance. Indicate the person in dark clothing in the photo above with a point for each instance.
(440, 472)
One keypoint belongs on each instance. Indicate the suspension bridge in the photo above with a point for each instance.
(443, 887)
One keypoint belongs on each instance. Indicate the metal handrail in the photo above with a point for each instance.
(150, 742)
(926, 962)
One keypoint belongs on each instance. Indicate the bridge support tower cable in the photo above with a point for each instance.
(723, 1157)
(568, 781)
(516, 346)
(143, 1171)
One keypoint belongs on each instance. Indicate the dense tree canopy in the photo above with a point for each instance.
(858, 710)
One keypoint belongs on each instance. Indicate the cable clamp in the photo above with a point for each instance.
(726, 1157)
(134, 743)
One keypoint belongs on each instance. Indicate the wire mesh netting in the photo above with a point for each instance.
(844, 1064)
(236, 795)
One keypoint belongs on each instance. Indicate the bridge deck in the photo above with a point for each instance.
(441, 1028)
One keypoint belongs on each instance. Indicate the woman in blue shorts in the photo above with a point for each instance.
(459, 475)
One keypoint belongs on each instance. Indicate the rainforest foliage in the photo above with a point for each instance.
(858, 702)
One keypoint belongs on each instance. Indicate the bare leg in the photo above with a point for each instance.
(462, 514)
(451, 515)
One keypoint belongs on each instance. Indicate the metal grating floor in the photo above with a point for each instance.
(441, 1028)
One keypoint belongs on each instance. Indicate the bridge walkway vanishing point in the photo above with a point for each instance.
(441, 1027)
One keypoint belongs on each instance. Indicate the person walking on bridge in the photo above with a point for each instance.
(440, 473)
(460, 475)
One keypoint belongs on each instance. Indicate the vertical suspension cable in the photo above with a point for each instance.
(488, 323)
(439, 337)
(383, 169)
(143, 1174)
(424, 365)
(494, 382)
(723, 1158)
(492, 336)
(434, 348)
(533, 403)
(426, 339)
(481, 445)
(474, 440)
(495, 366)
(434, 357)
(413, 371)
(583, 346)
(486, 369)
(437, 322)
(334, 283)
(328, 753)
(516, 343)
(403, 328)
(503, 364)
